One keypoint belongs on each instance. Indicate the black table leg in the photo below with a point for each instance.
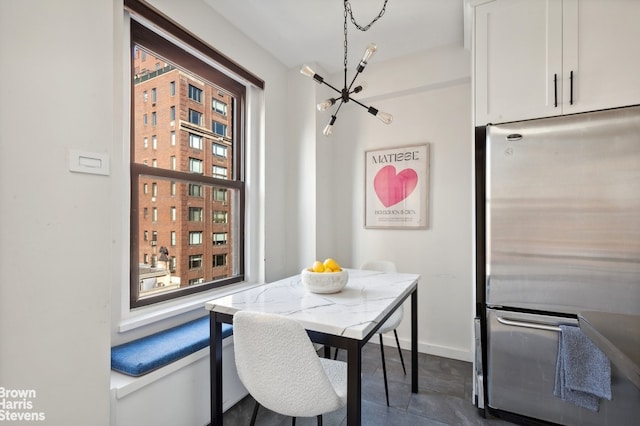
(215, 365)
(354, 383)
(414, 341)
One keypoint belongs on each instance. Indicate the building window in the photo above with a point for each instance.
(195, 190)
(154, 142)
(219, 128)
(195, 165)
(195, 214)
(195, 141)
(154, 189)
(180, 172)
(219, 106)
(195, 238)
(220, 216)
(219, 194)
(219, 260)
(154, 95)
(195, 94)
(195, 117)
(219, 238)
(219, 150)
(219, 172)
(195, 261)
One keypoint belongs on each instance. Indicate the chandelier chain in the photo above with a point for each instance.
(348, 13)
(347, 7)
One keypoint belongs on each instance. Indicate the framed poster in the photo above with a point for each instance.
(397, 187)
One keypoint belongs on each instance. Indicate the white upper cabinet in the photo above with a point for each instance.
(540, 58)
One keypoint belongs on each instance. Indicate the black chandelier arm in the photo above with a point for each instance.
(337, 90)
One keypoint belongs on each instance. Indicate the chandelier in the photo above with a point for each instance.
(348, 90)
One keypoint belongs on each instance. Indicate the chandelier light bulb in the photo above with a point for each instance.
(385, 117)
(360, 87)
(325, 105)
(368, 53)
(307, 70)
(327, 130)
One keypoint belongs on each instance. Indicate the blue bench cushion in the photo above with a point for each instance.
(144, 355)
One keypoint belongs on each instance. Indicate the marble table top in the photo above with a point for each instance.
(352, 313)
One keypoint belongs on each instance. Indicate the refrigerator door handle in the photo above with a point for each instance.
(555, 90)
(528, 324)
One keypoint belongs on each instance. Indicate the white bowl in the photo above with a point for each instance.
(324, 282)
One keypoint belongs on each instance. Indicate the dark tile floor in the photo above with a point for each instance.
(444, 397)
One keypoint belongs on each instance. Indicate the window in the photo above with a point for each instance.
(195, 238)
(179, 174)
(219, 106)
(154, 118)
(195, 165)
(154, 95)
(219, 194)
(219, 238)
(219, 172)
(219, 260)
(195, 214)
(154, 142)
(219, 128)
(195, 117)
(219, 216)
(195, 141)
(195, 261)
(195, 94)
(195, 190)
(219, 150)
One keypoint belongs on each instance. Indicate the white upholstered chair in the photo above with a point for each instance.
(280, 368)
(390, 324)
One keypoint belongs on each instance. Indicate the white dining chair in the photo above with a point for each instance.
(279, 366)
(390, 324)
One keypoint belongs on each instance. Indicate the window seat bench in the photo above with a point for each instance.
(149, 353)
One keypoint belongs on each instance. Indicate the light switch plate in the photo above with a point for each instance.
(88, 162)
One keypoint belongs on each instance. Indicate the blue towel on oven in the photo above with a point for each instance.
(583, 372)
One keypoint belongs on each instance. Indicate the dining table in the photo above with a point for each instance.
(346, 319)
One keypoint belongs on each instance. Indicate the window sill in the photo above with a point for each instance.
(151, 314)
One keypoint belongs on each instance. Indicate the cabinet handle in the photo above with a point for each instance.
(571, 88)
(555, 90)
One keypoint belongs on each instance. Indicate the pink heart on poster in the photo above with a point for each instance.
(392, 188)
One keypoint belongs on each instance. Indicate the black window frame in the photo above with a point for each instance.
(144, 36)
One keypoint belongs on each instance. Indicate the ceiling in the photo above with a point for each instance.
(312, 31)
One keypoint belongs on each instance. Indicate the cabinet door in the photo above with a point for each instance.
(602, 50)
(518, 51)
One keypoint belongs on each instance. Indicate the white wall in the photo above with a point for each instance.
(430, 96)
(56, 94)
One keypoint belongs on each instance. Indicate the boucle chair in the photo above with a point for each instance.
(280, 368)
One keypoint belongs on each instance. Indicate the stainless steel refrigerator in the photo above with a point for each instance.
(558, 233)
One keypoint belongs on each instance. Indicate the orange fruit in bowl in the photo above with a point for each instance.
(332, 265)
(317, 266)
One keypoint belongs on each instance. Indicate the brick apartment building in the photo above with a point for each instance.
(184, 124)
